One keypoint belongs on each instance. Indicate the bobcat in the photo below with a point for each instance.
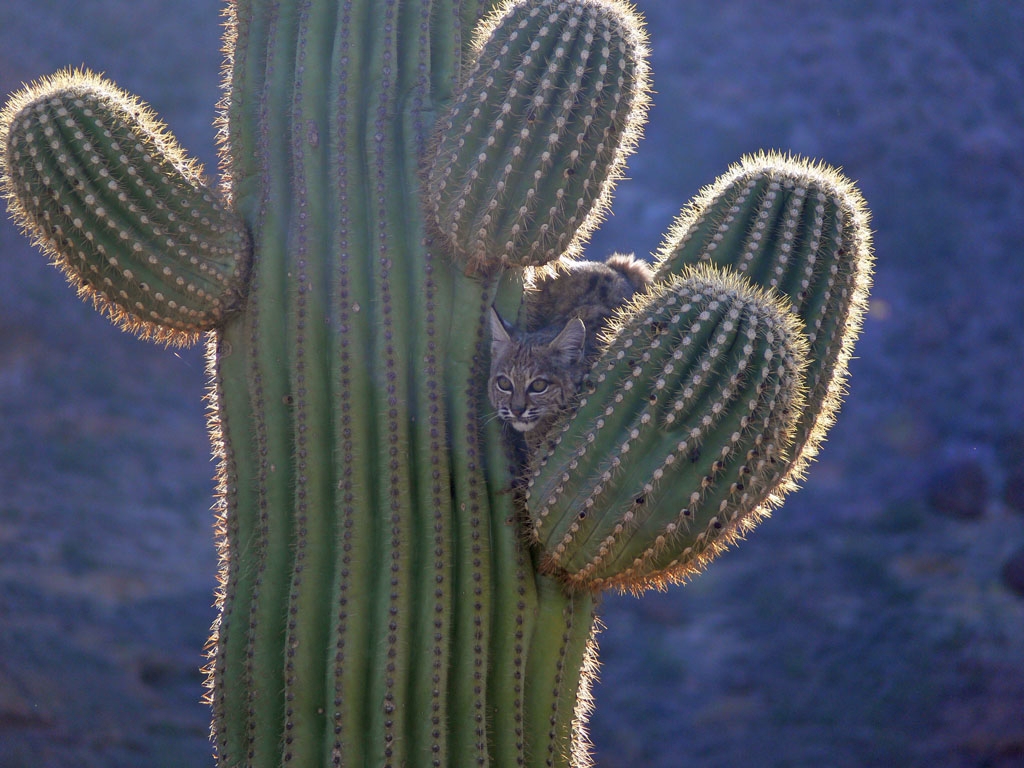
(536, 373)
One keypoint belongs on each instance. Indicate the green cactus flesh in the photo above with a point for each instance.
(396, 589)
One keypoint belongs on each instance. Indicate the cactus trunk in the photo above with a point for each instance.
(369, 569)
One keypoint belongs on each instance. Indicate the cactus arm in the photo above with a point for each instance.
(681, 441)
(536, 136)
(795, 230)
(96, 180)
(808, 237)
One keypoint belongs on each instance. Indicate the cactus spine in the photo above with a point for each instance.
(384, 598)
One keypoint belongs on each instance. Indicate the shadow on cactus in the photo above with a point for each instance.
(389, 172)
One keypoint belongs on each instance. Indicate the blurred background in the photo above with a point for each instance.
(876, 620)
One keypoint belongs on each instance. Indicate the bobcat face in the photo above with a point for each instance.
(533, 378)
(523, 401)
(536, 373)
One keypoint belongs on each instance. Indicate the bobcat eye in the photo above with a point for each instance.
(538, 385)
(504, 384)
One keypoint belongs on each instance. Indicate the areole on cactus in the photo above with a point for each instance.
(395, 590)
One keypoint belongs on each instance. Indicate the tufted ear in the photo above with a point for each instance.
(568, 345)
(500, 339)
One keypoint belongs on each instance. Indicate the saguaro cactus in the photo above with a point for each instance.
(396, 588)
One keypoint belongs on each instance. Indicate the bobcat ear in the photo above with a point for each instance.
(500, 340)
(569, 343)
